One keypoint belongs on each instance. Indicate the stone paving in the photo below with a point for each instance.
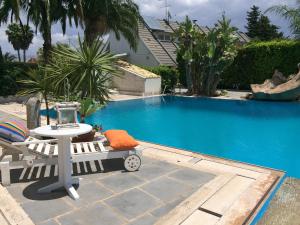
(113, 197)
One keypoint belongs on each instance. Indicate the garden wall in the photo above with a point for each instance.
(257, 61)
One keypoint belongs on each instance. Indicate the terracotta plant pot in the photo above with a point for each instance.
(85, 137)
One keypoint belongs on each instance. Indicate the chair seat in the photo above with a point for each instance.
(51, 150)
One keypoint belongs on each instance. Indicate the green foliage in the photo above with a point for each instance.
(259, 26)
(257, 61)
(181, 68)
(87, 107)
(37, 83)
(206, 55)
(10, 72)
(169, 77)
(88, 69)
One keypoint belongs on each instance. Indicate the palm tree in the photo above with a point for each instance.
(291, 14)
(27, 36)
(42, 13)
(9, 10)
(14, 37)
(7, 57)
(37, 83)
(119, 16)
(88, 69)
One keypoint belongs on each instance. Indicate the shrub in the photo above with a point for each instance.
(169, 77)
(10, 72)
(257, 61)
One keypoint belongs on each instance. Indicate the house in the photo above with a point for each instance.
(156, 44)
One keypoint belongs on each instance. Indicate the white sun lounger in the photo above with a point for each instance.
(34, 152)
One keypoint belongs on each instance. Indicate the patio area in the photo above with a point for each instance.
(172, 187)
(114, 197)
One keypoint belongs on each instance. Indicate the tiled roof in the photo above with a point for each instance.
(155, 46)
(136, 70)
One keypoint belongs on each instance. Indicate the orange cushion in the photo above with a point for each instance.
(120, 140)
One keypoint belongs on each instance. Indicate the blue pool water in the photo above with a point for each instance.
(261, 133)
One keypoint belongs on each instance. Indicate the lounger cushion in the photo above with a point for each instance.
(13, 131)
(120, 140)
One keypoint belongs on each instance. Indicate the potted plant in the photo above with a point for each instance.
(87, 107)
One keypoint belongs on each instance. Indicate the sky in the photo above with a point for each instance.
(206, 12)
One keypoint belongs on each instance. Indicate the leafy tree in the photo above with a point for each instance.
(208, 55)
(88, 69)
(252, 25)
(119, 16)
(37, 83)
(14, 35)
(267, 31)
(259, 26)
(292, 14)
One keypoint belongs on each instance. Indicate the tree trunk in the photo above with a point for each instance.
(19, 56)
(215, 84)
(46, 24)
(47, 109)
(94, 27)
(188, 76)
(24, 55)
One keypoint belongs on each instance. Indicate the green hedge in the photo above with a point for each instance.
(257, 61)
(9, 74)
(169, 77)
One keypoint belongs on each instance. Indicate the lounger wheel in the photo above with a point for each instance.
(132, 163)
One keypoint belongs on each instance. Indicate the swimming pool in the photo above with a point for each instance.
(261, 133)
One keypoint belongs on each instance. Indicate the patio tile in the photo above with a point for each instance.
(132, 203)
(144, 220)
(89, 193)
(153, 170)
(192, 177)
(92, 215)
(43, 210)
(165, 209)
(121, 182)
(167, 190)
(16, 192)
(49, 222)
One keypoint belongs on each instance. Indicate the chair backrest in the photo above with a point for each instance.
(67, 112)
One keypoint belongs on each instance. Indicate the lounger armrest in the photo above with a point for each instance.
(33, 142)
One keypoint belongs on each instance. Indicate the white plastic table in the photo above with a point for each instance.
(64, 156)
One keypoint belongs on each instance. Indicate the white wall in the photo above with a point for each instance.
(142, 56)
(130, 83)
(153, 86)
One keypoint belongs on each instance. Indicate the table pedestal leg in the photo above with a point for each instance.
(64, 170)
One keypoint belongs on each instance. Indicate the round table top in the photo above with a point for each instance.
(46, 131)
